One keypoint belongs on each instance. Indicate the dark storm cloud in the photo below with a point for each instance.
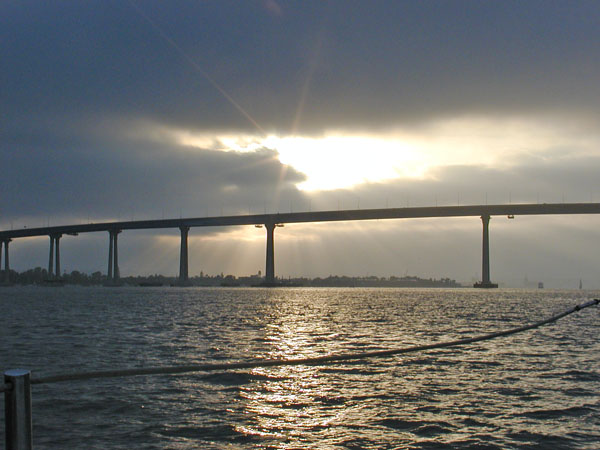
(360, 64)
(112, 178)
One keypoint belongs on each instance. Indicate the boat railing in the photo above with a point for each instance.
(18, 382)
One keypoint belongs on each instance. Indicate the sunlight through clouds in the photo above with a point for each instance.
(343, 160)
(140, 110)
(335, 162)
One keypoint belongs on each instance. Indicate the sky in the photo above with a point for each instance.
(120, 110)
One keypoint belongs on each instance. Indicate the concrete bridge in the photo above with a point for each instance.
(271, 221)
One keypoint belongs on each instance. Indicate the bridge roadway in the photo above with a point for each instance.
(270, 221)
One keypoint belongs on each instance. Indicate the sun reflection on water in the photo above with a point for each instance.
(538, 389)
(282, 404)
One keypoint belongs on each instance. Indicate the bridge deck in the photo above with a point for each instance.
(316, 216)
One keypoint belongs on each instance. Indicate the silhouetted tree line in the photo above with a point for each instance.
(374, 281)
(40, 275)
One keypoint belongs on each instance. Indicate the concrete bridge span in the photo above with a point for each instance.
(271, 221)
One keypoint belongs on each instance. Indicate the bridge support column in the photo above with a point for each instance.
(485, 260)
(117, 273)
(57, 245)
(54, 265)
(51, 258)
(113, 274)
(109, 272)
(270, 266)
(183, 255)
(6, 263)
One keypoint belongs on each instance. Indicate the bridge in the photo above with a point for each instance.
(271, 221)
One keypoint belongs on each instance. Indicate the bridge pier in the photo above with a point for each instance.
(54, 265)
(113, 274)
(51, 258)
(485, 259)
(117, 272)
(57, 262)
(6, 277)
(109, 272)
(183, 256)
(270, 264)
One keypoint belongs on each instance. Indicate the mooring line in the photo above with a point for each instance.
(319, 360)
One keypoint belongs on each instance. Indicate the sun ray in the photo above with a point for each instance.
(312, 67)
(197, 67)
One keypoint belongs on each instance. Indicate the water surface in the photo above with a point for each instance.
(538, 389)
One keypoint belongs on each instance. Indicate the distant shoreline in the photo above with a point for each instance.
(40, 276)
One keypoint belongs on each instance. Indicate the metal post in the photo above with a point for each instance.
(183, 255)
(51, 259)
(17, 410)
(270, 265)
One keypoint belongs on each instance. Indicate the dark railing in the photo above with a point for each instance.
(17, 382)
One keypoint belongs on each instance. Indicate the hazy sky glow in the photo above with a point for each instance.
(147, 109)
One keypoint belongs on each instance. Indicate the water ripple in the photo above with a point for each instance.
(535, 390)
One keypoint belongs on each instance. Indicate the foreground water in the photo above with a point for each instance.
(539, 389)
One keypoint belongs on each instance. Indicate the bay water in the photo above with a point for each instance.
(535, 390)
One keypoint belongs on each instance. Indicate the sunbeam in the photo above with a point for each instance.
(197, 67)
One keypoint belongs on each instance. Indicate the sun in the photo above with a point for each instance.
(343, 159)
(338, 162)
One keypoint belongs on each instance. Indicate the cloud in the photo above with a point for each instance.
(529, 179)
(108, 115)
(379, 65)
(115, 178)
(273, 7)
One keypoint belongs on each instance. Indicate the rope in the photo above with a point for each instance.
(320, 360)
